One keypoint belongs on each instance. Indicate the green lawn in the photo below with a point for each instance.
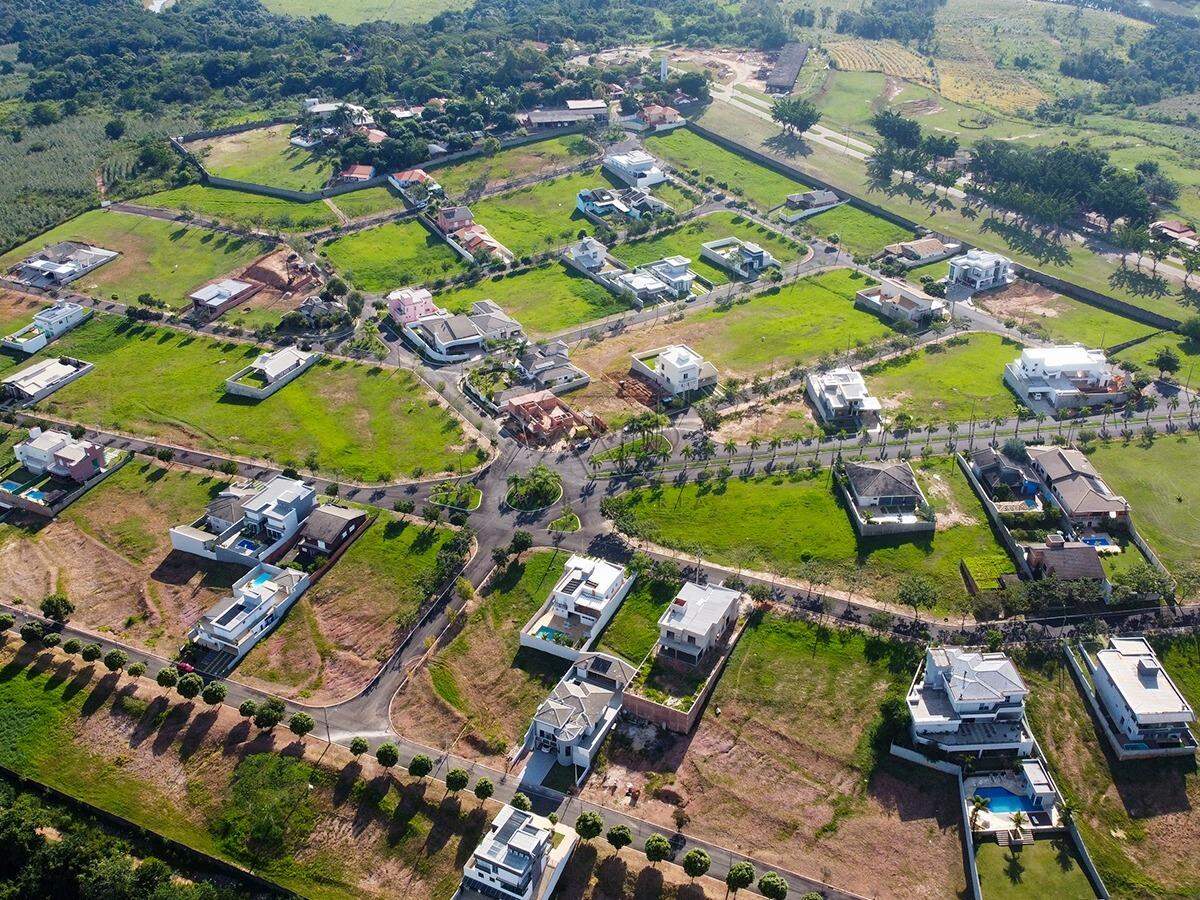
(1160, 483)
(686, 150)
(1048, 868)
(948, 383)
(686, 241)
(354, 12)
(392, 255)
(240, 208)
(1188, 352)
(797, 526)
(860, 232)
(1066, 320)
(359, 422)
(538, 217)
(482, 172)
(545, 300)
(264, 156)
(673, 196)
(368, 202)
(633, 631)
(163, 259)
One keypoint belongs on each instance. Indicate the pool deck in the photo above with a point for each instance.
(994, 820)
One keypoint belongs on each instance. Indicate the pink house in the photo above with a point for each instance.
(409, 304)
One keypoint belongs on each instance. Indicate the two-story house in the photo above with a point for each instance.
(697, 621)
(1142, 703)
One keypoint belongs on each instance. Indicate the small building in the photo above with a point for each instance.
(1066, 560)
(411, 178)
(409, 304)
(235, 623)
(1172, 230)
(41, 379)
(631, 203)
(548, 367)
(445, 338)
(324, 109)
(675, 272)
(1078, 489)
(1140, 701)
(659, 118)
(813, 200)
(643, 286)
(60, 264)
(745, 259)
(588, 254)
(920, 251)
(47, 325)
(57, 453)
(542, 417)
(698, 620)
(521, 857)
(1066, 377)
(213, 299)
(356, 174)
(328, 528)
(270, 372)
(677, 370)
(637, 168)
(981, 270)
(886, 498)
(898, 302)
(842, 401)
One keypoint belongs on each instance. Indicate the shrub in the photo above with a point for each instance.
(167, 677)
(90, 652)
(115, 660)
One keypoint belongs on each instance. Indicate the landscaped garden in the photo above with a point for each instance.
(1046, 868)
(860, 232)
(484, 172)
(264, 156)
(456, 495)
(539, 217)
(633, 631)
(534, 490)
(240, 208)
(392, 255)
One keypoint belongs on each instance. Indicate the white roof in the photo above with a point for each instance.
(977, 257)
(48, 441)
(971, 675)
(1070, 356)
(218, 293)
(595, 574)
(641, 281)
(587, 104)
(279, 362)
(1140, 678)
(278, 490)
(61, 310)
(696, 608)
(681, 356)
(40, 376)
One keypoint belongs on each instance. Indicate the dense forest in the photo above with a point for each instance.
(908, 21)
(1164, 62)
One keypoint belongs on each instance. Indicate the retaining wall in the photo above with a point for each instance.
(1095, 298)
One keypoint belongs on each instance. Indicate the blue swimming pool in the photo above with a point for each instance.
(1002, 800)
(35, 496)
(261, 577)
(546, 633)
(246, 546)
(11, 486)
(1097, 541)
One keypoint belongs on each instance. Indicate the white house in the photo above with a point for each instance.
(48, 324)
(588, 254)
(899, 302)
(271, 371)
(320, 109)
(632, 203)
(41, 379)
(969, 701)
(980, 270)
(745, 259)
(521, 857)
(642, 285)
(676, 369)
(589, 590)
(675, 272)
(247, 522)
(57, 453)
(213, 299)
(696, 621)
(637, 168)
(1066, 377)
(1139, 698)
(61, 263)
(841, 399)
(259, 600)
(448, 338)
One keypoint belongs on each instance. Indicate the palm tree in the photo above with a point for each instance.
(1108, 411)
(953, 429)
(996, 423)
(1039, 418)
(1066, 810)
(1151, 406)
(1019, 819)
(755, 443)
(929, 431)
(687, 454)
(978, 805)
(731, 447)
(777, 442)
(1172, 405)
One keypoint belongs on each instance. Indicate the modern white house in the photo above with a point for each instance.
(247, 522)
(447, 338)
(745, 259)
(699, 618)
(41, 379)
(841, 399)
(1066, 377)
(521, 857)
(899, 302)
(981, 270)
(259, 600)
(676, 370)
(60, 264)
(585, 597)
(57, 453)
(48, 324)
(632, 203)
(675, 272)
(588, 254)
(1073, 483)
(637, 168)
(270, 372)
(213, 299)
(1140, 700)
(323, 109)
(969, 701)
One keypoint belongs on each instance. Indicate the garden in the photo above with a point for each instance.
(459, 495)
(391, 256)
(264, 156)
(536, 489)
(1045, 868)
(539, 217)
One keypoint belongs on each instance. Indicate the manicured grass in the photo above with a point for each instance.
(358, 204)
(673, 196)
(948, 382)
(686, 150)
(240, 208)
(358, 422)
(860, 232)
(392, 255)
(631, 449)
(567, 523)
(1048, 868)
(1188, 352)
(545, 300)
(459, 496)
(483, 172)
(264, 156)
(540, 216)
(686, 241)
(633, 631)
(1062, 319)
(16, 311)
(163, 259)
(1160, 483)
(354, 12)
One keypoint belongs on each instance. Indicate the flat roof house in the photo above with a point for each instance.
(521, 857)
(41, 379)
(247, 522)
(632, 203)
(57, 453)
(47, 325)
(898, 302)
(841, 399)
(980, 270)
(643, 286)
(745, 259)
(637, 168)
(234, 624)
(1140, 700)
(1078, 488)
(328, 528)
(589, 590)
(676, 370)
(675, 272)
(969, 701)
(213, 299)
(1066, 377)
(697, 621)
(60, 264)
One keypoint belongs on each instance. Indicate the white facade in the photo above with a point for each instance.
(588, 588)
(247, 522)
(675, 272)
(1066, 376)
(1141, 700)
(696, 620)
(900, 303)
(41, 379)
(61, 264)
(841, 399)
(48, 324)
(511, 860)
(637, 168)
(59, 454)
(676, 369)
(587, 253)
(743, 258)
(259, 600)
(980, 270)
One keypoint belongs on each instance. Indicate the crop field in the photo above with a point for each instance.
(807, 790)
(539, 217)
(686, 150)
(860, 232)
(948, 382)
(796, 526)
(1056, 317)
(357, 421)
(484, 685)
(392, 255)
(264, 156)
(337, 635)
(240, 208)
(686, 241)
(545, 300)
(163, 259)
(999, 89)
(888, 57)
(481, 173)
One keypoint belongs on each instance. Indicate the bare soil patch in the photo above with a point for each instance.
(951, 513)
(925, 107)
(1022, 298)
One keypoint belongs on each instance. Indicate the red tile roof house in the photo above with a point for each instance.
(1172, 230)
(413, 177)
(542, 416)
(452, 218)
(656, 116)
(356, 174)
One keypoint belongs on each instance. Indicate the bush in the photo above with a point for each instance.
(72, 645)
(115, 660)
(51, 639)
(137, 670)
(57, 607)
(167, 677)
(32, 631)
(6, 621)
(214, 693)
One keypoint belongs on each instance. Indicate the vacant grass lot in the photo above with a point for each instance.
(1143, 354)
(1159, 481)
(686, 241)
(240, 208)
(686, 150)
(335, 638)
(264, 156)
(860, 232)
(391, 256)
(163, 259)
(484, 172)
(484, 686)
(16, 311)
(1057, 317)
(948, 382)
(345, 418)
(633, 631)
(540, 216)
(1049, 868)
(368, 202)
(797, 526)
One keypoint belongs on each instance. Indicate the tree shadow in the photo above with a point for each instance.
(1043, 249)
(649, 884)
(99, 695)
(147, 725)
(1138, 283)
(197, 731)
(789, 145)
(172, 725)
(236, 736)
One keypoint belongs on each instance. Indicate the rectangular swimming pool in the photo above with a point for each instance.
(1001, 800)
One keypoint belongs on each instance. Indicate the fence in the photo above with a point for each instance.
(1010, 544)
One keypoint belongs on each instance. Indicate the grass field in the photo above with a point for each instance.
(360, 422)
(545, 300)
(264, 156)
(633, 631)
(392, 255)
(1056, 317)
(686, 150)
(958, 382)
(368, 202)
(354, 12)
(686, 241)
(1159, 482)
(858, 231)
(483, 172)
(1048, 868)
(239, 208)
(1143, 355)
(16, 311)
(540, 216)
(163, 259)
(796, 526)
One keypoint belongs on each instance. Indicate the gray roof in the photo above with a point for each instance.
(979, 676)
(882, 480)
(327, 522)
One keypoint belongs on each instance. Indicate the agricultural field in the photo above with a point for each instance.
(858, 231)
(888, 57)
(790, 754)
(686, 150)
(796, 526)
(483, 685)
(344, 418)
(686, 241)
(539, 217)
(264, 156)
(1139, 820)
(392, 255)
(1047, 868)
(240, 208)
(368, 202)
(471, 177)
(1055, 317)
(999, 89)
(952, 381)
(338, 634)
(163, 259)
